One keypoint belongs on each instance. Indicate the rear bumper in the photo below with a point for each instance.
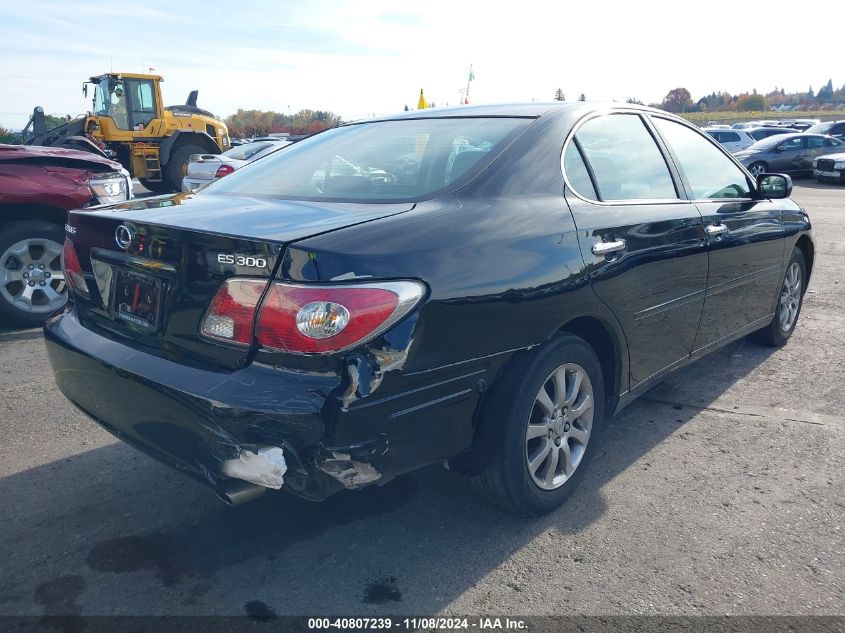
(195, 419)
(190, 184)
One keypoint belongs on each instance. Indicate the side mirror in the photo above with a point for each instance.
(780, 148)
(774, 185)
(85, 90)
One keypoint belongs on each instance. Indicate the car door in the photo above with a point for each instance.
(731, 141)
(788, 156)
(745, 236)
(642, 243)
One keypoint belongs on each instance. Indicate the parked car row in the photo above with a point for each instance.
(811, 152)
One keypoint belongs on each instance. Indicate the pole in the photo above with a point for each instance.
(469, 78)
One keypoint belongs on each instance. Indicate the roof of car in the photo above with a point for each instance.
(531, 109)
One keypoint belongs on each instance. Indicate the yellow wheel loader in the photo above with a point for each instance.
(128, 123)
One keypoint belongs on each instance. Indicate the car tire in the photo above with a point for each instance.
(758, 168)
(177, 166)
(518, 477)
(789, 301)
(157, 187)
(38, 244)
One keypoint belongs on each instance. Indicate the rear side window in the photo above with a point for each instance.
(399, 160)
(246, 151)
(729, 137)
(577, 174)
(815, 142)
(710, 173)
(625, 159)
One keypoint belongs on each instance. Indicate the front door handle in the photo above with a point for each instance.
(715, 229)
(606, 248)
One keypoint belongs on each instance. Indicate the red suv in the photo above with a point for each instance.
(38, 186)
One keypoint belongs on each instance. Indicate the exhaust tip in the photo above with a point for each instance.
(234, 492)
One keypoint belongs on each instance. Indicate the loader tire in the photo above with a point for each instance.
(177, 166)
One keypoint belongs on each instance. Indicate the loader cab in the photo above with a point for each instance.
(131, 101)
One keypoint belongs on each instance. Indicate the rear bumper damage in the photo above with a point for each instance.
(237, 431)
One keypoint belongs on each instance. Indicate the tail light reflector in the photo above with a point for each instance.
(232, 311)
(224, 170)
(325, 319)
(74, 277)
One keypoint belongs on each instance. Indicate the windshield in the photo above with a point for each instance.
(380, 161)
(102, 98)
(819, 128)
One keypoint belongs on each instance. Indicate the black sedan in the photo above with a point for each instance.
(787, 153)
(336, 314)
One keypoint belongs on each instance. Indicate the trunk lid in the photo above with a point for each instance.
(154, 265)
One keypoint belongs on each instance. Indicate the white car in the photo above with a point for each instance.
(732, 140)
(206, 168)
(830, 168)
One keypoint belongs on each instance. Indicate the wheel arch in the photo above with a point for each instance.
(17, 212)
(182, 137)
(611, 349)
(805, 245)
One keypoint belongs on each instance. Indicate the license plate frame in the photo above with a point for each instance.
(136, 299)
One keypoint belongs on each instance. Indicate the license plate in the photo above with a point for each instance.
(137, 298)
(829, 174)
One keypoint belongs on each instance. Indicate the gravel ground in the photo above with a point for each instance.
(720, 491)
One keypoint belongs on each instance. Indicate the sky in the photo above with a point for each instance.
(360, 59)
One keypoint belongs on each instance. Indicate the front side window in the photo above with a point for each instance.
(379, 161)
(710, 173)
(625, 159)
(730, 137)
(792, 145)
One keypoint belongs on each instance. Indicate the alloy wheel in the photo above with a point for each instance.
(559, 426)
(790, 297)
(757, 169)
(31, 277)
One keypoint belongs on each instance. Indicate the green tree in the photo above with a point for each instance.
(559, 96)
(6, 135)
(582, 97)
(633, 100)
(751, 103)
(677, 100)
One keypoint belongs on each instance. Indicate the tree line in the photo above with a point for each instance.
(680, 100)
(251, 123)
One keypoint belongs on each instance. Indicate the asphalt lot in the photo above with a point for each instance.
(721, 491)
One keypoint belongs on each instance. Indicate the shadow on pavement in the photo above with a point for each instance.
(111, 531)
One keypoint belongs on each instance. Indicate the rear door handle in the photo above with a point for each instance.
(605, 248)
(715, 229)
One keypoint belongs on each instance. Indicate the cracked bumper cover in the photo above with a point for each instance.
(212, 424)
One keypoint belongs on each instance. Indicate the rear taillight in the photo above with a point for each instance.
(324, 319)
(74, 277)
(232, 311)
(304, 319)
(224, 170)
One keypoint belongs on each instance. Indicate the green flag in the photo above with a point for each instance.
(471, 75)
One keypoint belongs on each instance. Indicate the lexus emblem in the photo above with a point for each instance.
(124, 235)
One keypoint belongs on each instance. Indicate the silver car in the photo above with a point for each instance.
(787, 153)
(206, 168)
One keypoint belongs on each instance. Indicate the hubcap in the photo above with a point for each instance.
(31, 277)
(756, 170)
(559, 426)
(790, 297)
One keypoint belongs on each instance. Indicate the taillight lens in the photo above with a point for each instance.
(232, 311)
(74, 277)
(324, 319)
(224, 170)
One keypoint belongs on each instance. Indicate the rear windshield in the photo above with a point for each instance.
(246, 151)
(380, 161)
